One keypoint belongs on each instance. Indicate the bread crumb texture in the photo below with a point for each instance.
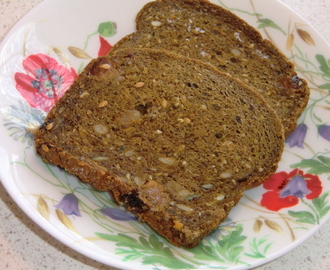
(175, 140)
(201, 30)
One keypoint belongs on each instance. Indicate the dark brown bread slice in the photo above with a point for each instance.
(205, 31)
(175, 140)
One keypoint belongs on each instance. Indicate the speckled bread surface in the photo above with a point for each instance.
(172, 138)
(208, 32)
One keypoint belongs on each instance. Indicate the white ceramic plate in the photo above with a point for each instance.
(58, 35)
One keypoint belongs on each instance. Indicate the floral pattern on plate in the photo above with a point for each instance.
(291, 203)
(45, 82)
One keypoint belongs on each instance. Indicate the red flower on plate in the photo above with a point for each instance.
(285, 189)
(45, 81)
(105, 46)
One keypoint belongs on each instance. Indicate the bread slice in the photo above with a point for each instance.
(208, 32)
(175, 140)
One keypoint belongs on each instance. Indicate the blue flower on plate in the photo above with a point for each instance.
(324, 131)
(69, 205)
(297, 187)
(22, 121)
(223, 229)
(297, 137)
(117, 214)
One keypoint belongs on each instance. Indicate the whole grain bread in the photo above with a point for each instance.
(208, 32)
(175, 140)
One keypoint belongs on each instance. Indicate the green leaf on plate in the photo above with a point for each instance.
(121, 240)
(325, 86)
(316, 167)
(205, 253)
(257, 249)
(303, 216)
(131, 257)
(144, 242)
(324, 67)
(107, 29)
(229, 247)
(321, 204)
(155, 243)
(325, 160)
(151, 251)
(269, 23)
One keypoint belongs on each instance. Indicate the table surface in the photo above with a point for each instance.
(24, 245)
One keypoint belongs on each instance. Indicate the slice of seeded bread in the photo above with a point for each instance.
(175, 140)
(205, 31)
